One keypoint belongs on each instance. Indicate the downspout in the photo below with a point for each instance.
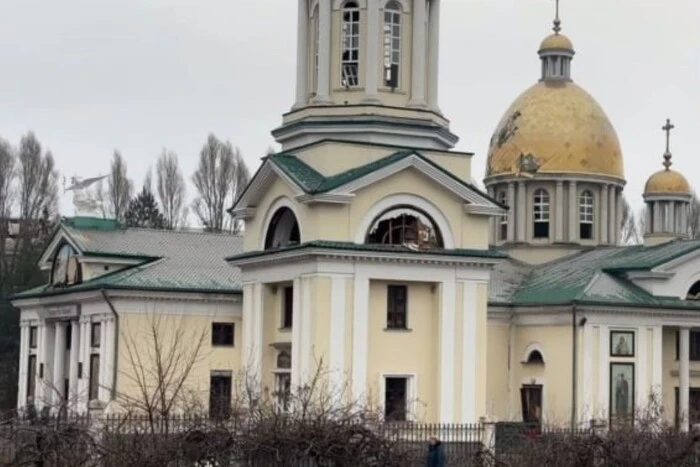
(116, 342)
(574, 365)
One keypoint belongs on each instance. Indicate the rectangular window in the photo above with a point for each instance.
(220, 395)
(222, 334)
(350, 61)
(95, 335)
(31, 376)
(396, 307)
(283, 390)
(531, 403)
(33, 337)
(395, 399)
(287, 307)
(69, 335)
(694, 345)
(94, 385)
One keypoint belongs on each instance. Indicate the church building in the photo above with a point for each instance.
(371, 254)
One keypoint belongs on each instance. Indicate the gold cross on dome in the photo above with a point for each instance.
(557, 21)
(667, 155)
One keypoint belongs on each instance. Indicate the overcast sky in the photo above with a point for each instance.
(92, 76)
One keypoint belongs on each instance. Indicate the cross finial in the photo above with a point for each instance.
(667, 155)
(557, 21)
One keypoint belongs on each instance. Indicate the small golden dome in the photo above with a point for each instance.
(667, 181)
(562, 127)
(556, 41)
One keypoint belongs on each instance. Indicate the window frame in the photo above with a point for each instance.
(219, 334)
(33, 337)
(541, 214)
(94, 377)
(227, 379)
(397, 319)
(393, 18)
(95, 335)
(586, 213)
(350, 31)
(411, 389)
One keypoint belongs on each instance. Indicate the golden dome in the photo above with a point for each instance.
(556, 41)
(667, 181)
(562, 127)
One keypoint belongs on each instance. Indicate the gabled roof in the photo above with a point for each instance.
(311, 182)
(181, 261)
(597, 277)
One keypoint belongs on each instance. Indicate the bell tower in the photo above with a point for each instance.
(367, 70)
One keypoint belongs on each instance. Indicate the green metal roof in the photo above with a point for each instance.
(377, 248)
(595, 276)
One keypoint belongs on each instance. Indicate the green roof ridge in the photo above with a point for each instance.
(91, 223)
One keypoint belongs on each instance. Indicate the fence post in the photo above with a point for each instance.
(488, 434)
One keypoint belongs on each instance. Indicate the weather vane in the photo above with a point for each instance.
(667, 155)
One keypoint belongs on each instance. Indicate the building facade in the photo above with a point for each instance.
(370, 255)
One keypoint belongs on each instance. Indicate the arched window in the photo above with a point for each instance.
(350, 60)
(392, 44)
(694, 292)
(283, 229)
(585, 215)
(541, 213)
(284, 360)
(503, 220)
(407, 226)
(65, 269)
(535, 357)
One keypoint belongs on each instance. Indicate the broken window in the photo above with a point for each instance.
(405, 226)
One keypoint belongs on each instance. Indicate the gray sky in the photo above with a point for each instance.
(91, 76)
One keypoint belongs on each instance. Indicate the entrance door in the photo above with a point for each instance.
(531, 402)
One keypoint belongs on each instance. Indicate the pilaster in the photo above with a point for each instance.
(573, 214)
(447, 351)
(434, 55)
(59, 363)
(73, 362)
(102, 391)
(419, 55)
(324, 53)
(511, 212)
(603, 214)
(684, 378)
(522, 211)
(559, 199)
(372, 56)
(612, 213)
(302, 93)
(470, 352)
(23, 364)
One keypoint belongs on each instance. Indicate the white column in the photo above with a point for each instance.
(612, 211)
(447, 351)
(573, 212)
(302, 54)
(84, 355)
(296, 333)
(656, 214)
(603, 372)
(324, 53)
(511, 212)
(23, 363)
(603, 214)
(643, 386)
(470, 352)
(336, 360)
(618, 217)
(657, 361)
(684, 378)
(418, 59)
(684, 218)
(372, 57)
(46, 351)
(522, 212)
(588, 402)
(671, 218)
(59, 363)
(434, 54)
(258, 341)
(110, 339)
(306, 347)
(559, 199)
(73, 362)
(360, 338)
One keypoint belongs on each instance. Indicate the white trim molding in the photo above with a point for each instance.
(533, 346)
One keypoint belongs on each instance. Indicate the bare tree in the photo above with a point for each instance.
(7, 177)
(171, 189)
(629, 231)
(694, 217)
(120, 188)
(38, 179)
(220, 179)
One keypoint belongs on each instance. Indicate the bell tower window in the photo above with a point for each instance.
(503, 220)
(405, 226)
(585, 207)
(350, 62)
(541, 213)
(392, 44)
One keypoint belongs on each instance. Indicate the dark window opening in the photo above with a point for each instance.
(535, 357)
(397, 298)
(94, 384)
(288, 308)
(350, 60)
(405, 226)
(541, 229)
(585, 231)
(541, 214)
(395, 399)
(531, 403)
(69, 335)
(33, 337)
(694, 292)
(31, 377)
(220, 396)
(95, 335)
(66, 389)
(284, 360)
(693, 407)
(222, 334)
(283, 230)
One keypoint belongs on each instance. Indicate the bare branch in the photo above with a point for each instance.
(171, 189)
(120, 188)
